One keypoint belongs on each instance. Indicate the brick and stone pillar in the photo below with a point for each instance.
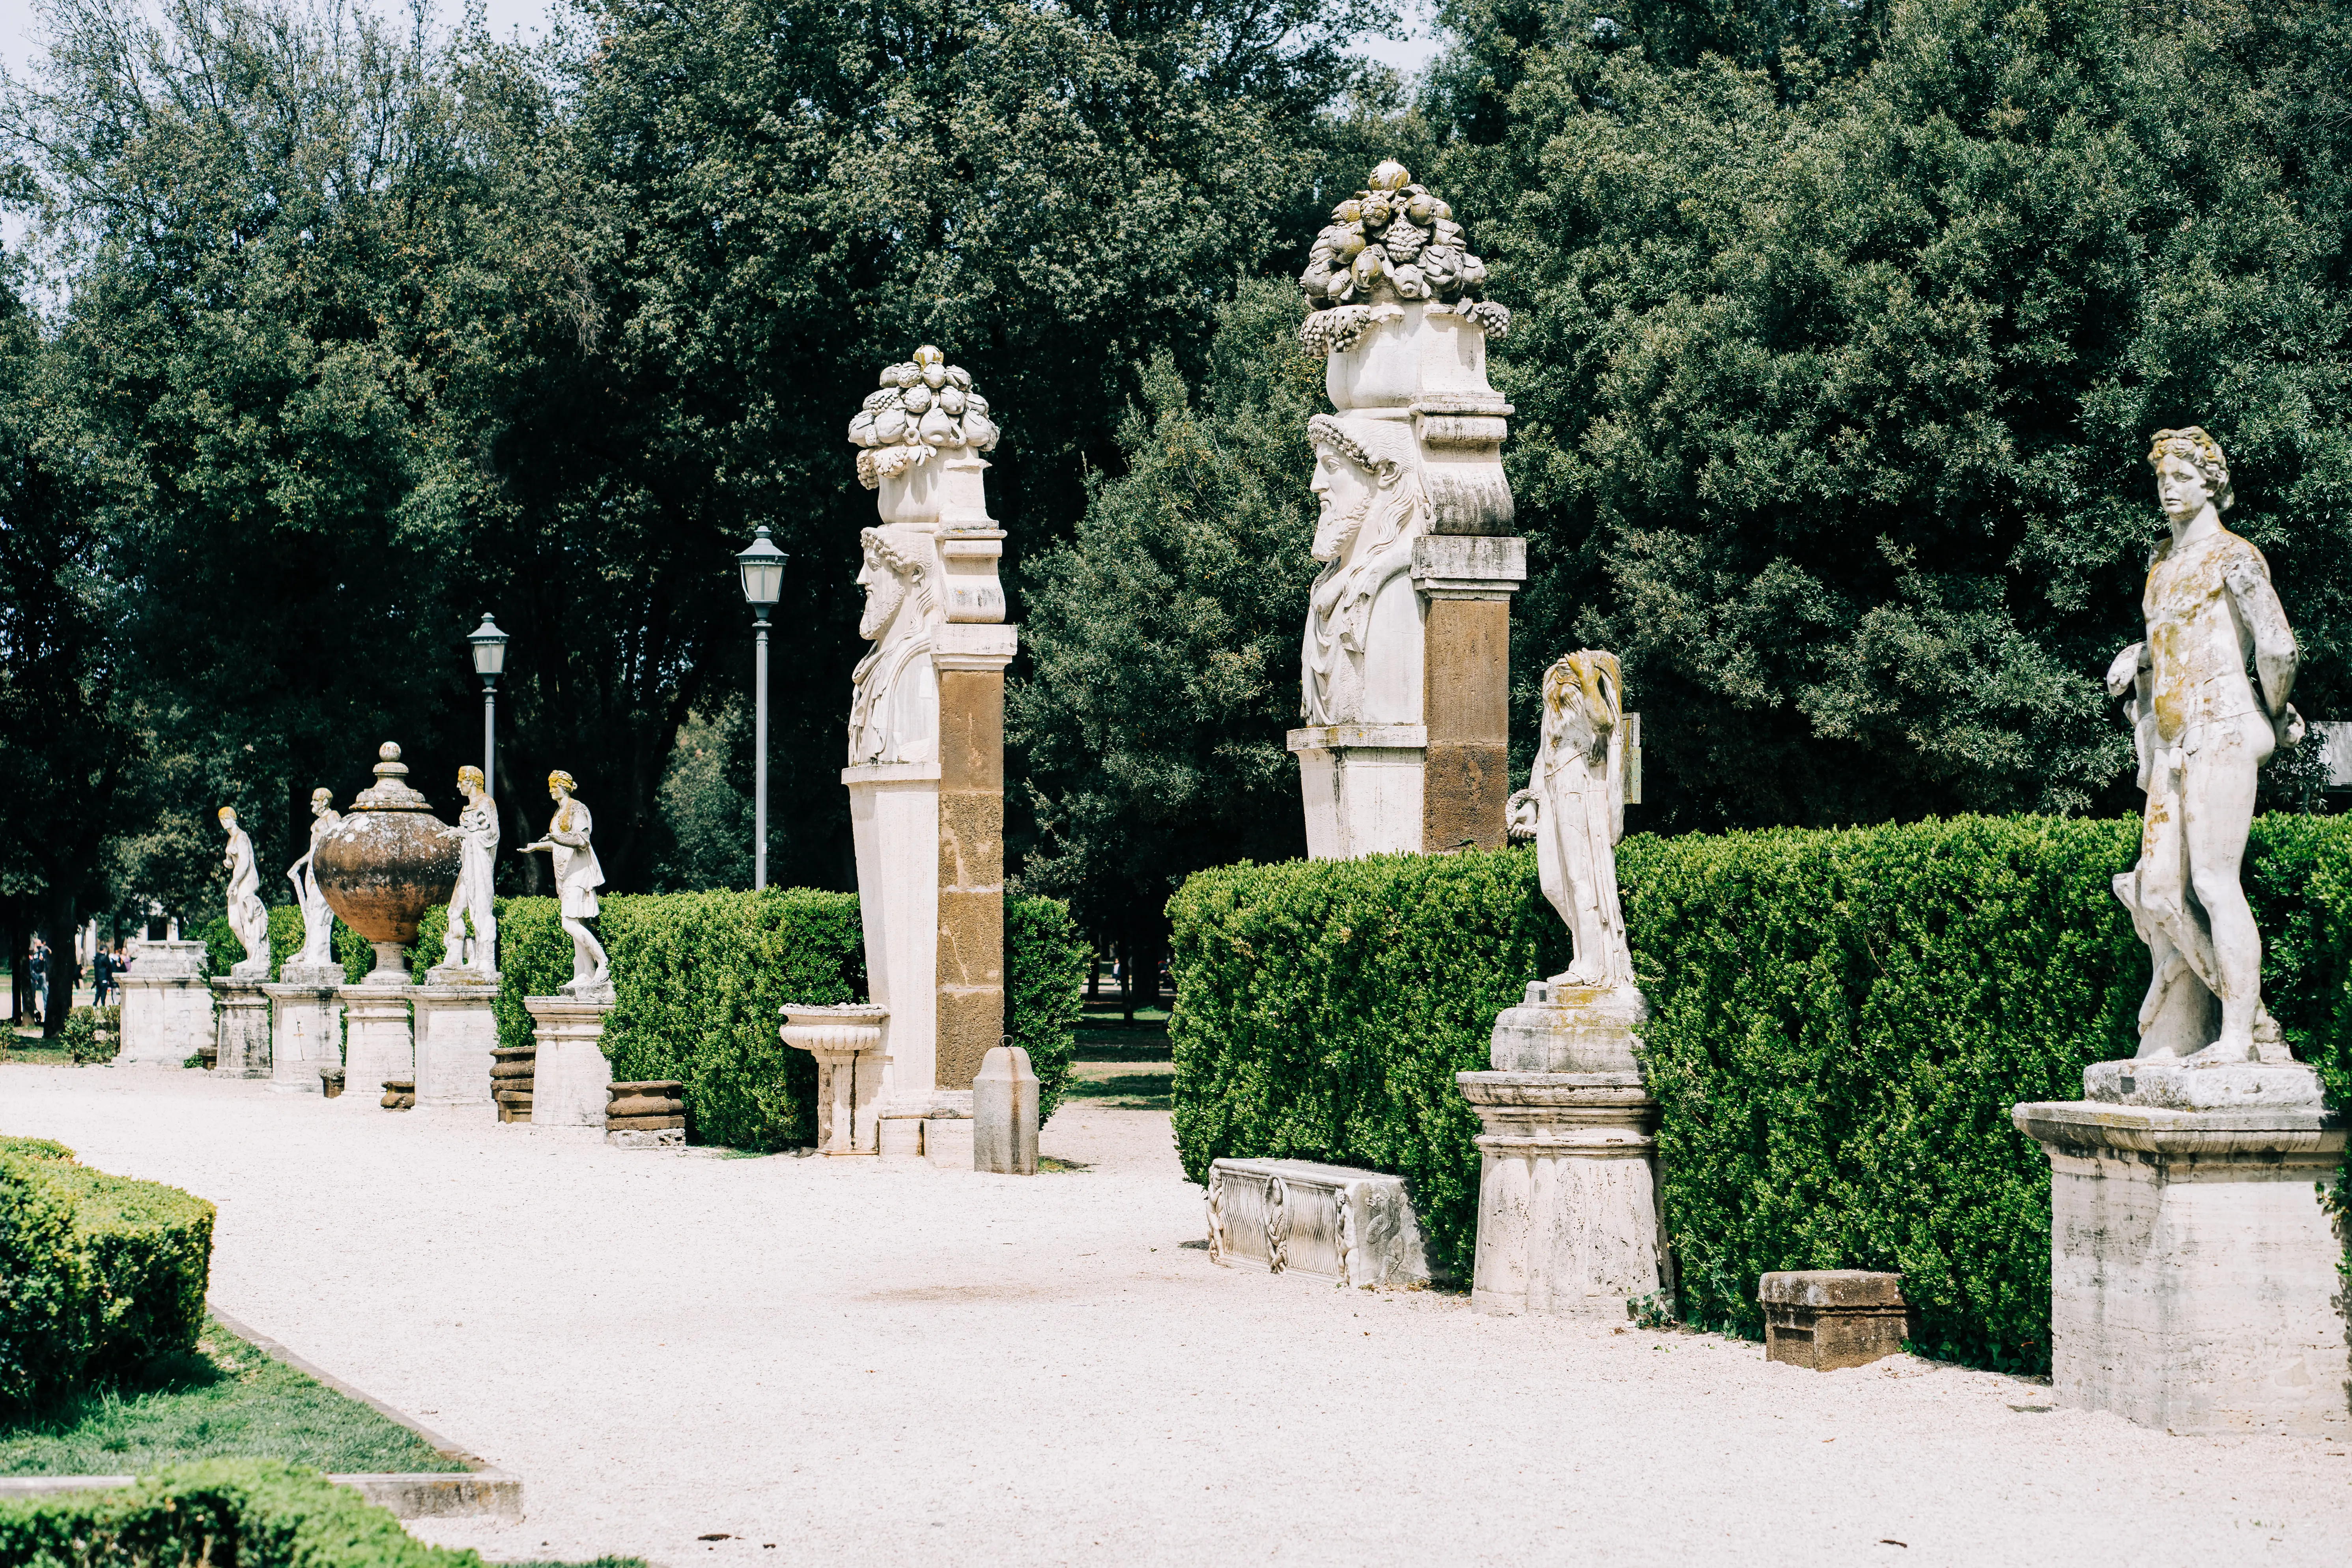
(1406, 662)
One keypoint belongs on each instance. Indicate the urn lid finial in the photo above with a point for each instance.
(389, 792)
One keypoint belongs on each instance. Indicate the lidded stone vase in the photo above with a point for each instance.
(386, 863)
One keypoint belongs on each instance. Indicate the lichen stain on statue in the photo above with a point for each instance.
(1361, 661)
(2201, 731)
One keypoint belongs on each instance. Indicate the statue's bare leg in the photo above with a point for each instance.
(585, 942)
(2217, 801)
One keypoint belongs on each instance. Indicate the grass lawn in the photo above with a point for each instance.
(26, 1045)
(1104, 1035)
(226, 1401)
(1121, 1091)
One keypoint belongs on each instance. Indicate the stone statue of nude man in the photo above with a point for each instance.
(2201, 730)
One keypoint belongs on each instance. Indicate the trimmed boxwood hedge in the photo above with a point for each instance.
(1840, 1023)
(99, 1274)
(254, 1513)
(698, 978)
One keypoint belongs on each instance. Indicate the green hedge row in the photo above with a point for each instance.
(1840, 1023)
(254, 1513)
(699, 980)
(99, 1274)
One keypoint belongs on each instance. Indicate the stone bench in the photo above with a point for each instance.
(1328, 1222)
(1831, 1317)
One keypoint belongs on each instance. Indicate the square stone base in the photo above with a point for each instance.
(2193, 1272)
(1825, 1319)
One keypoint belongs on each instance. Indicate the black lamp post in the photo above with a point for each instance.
(762, 567)
(489, 661)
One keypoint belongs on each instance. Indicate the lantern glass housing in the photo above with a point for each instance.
(490, 649)
(762, 567)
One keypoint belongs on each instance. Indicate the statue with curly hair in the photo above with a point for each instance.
(894, 691)
(2201, 728)
(472, 944)
(1361, 661)
(577, 878)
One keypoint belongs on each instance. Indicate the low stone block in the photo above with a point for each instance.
(948, 1142)
(646, 1136)
(399, 1094)
(1825, 1319)
(241, 1039)
(1327, 1222)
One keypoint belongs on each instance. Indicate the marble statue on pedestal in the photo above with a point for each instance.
(473, 940)
(318, 918)
(2201, 730)
(1405, 675)
(577, 878)
(247, 916)
(894, 691)
(1568, 1219)
(2194, 1269)
(1360, 660)
(1574, 809)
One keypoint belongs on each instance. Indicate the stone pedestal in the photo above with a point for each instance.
(1327, 1222)
(1005, 1114)
(1364, 787)
(1568, 1206)
(455, 1033)
(1466, 581)
(2194, 1274)
(306, 1029)
(241, 1010)
(167, 1009)
(571, 1074)
(379, 1034)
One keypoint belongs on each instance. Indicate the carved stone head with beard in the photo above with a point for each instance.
(894, 571)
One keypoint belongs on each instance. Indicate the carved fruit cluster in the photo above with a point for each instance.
(1392, 240)
(925, 404)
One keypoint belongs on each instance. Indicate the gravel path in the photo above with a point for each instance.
(863, 1363)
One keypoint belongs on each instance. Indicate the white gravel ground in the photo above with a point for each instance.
(863, 1363)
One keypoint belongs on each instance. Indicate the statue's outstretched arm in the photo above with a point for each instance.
(2275, 654)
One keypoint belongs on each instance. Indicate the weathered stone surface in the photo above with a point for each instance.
(2194, 1281)
(570, 1072)
(399, 1094)
(948, 1142)
(1004, 1113)
(379, 1041)
(1568, 1208)
(241, 1037)
(456, 1031)
(643, 1123)
(1466, 778)
(249, 917)
(847, 1040)
(306, 1027)
(634, 1137)
(1563, 1027)
(569, 846)
(384, 863)
(167, 1009)
(1574, 808)
(1364, 788)
(1327, 1222)
(1825, 1319)
(2170, 1085)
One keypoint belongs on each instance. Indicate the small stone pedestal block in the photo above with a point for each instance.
(455, 1033)
(241, 1039)
(511, 1068)
(1825, 1319)
(1328, 1222)
(1004, 1113)
(399, 1094)
(2193, 1272)
(379, 1036)
(649, 1114)
(570, 1075)
(306, 1026)
(167, 1009)
(1567, 1205)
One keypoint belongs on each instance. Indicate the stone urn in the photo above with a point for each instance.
(386, 863)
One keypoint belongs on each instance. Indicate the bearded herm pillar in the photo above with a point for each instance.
(926, 779)
(1405, 666)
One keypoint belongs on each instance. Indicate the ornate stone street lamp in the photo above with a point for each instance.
(489, 660)
(762, 567)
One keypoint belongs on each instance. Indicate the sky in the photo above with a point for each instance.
(16, 28)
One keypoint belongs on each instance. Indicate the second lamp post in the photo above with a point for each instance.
(762, 567)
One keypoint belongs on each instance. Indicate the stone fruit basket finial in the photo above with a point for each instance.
(1390, 243)
(925, 404)
(386, 863)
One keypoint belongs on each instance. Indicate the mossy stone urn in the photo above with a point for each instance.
(386, 863)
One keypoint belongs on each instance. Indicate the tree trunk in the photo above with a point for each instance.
(63, 970)
(1094, 975)
(20, 972)
(1127, 980)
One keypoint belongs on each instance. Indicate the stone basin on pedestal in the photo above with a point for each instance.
(847, 1040)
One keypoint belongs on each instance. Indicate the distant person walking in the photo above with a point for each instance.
(38, 966)
(102, 976)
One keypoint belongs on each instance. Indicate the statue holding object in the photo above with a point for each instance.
(577, 878)
(1574, 808)
(473, 940)
(318, 916)
(2201, 730)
